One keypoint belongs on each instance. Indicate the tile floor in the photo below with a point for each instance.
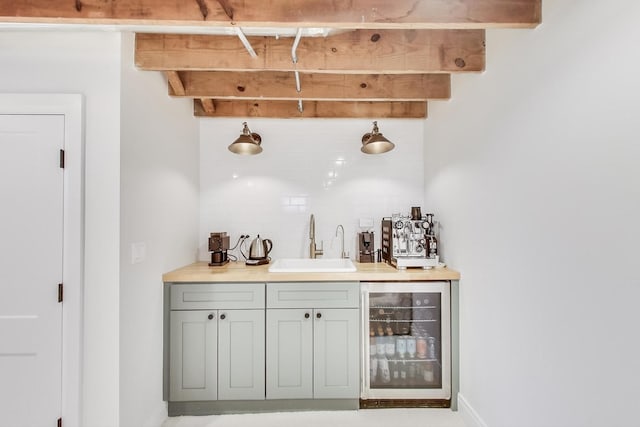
(362, 418)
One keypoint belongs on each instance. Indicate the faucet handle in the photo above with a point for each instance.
(320, 251)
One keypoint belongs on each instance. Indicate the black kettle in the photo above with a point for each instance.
(260, 248)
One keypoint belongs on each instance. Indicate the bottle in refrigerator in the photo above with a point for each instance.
(383, 365)
(381, 346)
(421, 347)
(390, 352)
(411, 372)
(403, 372)
(384, 376)
(390, 345)
(373, 358)
(427, 374)
(394, 369)
(411, 347)
(431, 348)
(401, 346)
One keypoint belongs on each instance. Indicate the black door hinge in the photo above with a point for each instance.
(60, 292)
(61, 158)
(59, 422)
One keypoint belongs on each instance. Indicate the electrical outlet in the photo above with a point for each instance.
(366, 223)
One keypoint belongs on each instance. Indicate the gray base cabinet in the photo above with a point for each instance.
(217, 342)
(221, 339)
(193, 356)
(336, 367)
(241, 355)
(313, 346)
(289, 354)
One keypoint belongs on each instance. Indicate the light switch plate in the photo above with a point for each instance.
(138, 252)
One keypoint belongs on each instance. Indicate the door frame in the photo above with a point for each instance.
(71, 107)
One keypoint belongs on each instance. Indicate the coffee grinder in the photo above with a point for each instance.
(366, 249)
(218, 246)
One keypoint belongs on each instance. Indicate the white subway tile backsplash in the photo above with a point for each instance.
(307, 166)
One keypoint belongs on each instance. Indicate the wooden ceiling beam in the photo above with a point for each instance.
(208, 106)
(312, 109)
(357, 51)
(285, 13)
(173, 78)
(280, 85)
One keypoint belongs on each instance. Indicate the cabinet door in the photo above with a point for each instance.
(336, 353)
(193, 355)
(289, 354)
(241, 355)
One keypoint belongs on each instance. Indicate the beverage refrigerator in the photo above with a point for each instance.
(407, 343)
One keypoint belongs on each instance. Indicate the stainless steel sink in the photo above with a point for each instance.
(316, 265)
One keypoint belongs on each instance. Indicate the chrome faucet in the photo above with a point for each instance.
(342, 252)
(313, 249)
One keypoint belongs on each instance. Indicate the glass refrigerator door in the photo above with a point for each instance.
(407, 344)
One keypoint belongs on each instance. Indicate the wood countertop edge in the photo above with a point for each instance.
(201, 272)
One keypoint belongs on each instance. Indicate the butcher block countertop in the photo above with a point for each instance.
(239, 272)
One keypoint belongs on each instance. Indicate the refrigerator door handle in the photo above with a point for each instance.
(364, 366)
(365, 377)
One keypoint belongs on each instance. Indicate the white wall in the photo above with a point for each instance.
(88, 64)
(274, 193)
(159, 208)
(533, 169)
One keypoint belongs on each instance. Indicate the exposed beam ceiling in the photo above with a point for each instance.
(289, 109)
(277, 85)
(357, 51)
(370, 58)
(283, 13)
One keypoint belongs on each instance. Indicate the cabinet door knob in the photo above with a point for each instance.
(306, 315)
(318, 315)
(210, 316)
(223, 316)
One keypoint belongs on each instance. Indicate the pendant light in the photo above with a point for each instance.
(375, 142)
(247, 143)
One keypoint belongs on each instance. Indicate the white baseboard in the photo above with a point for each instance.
(468, 414)
(158, 416)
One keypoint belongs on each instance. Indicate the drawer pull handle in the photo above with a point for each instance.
(210, 316)
(223, 316)
(318, 315)
(306, 315)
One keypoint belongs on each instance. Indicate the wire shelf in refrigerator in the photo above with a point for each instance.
(393, 307)
(403, 321)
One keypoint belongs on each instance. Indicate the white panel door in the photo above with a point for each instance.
(336, 349)
(289, 353)
(241, 355)
(31, 237)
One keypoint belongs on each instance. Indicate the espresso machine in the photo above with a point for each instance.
(218, 246)
(409, 240)
(366, 249)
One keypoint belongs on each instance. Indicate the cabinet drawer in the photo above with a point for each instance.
(209, 296)
(313, 295)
